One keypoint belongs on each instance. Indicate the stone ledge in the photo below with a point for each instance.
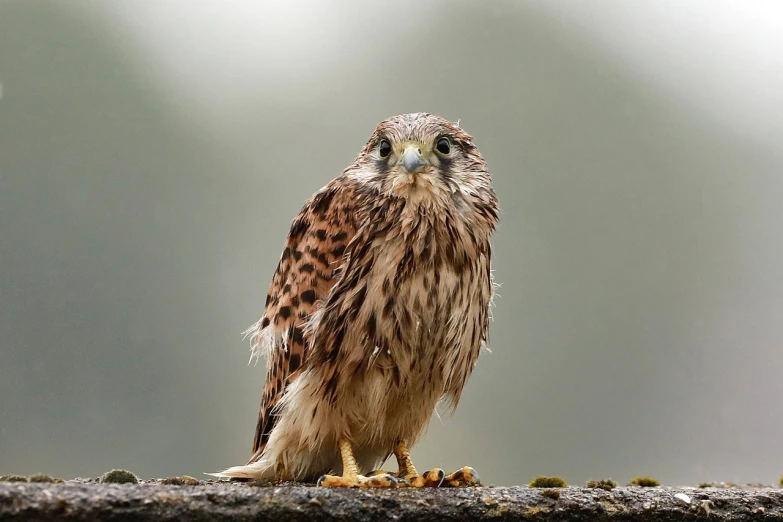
(77, 501)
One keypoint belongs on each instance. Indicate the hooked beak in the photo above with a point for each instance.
(412, 160)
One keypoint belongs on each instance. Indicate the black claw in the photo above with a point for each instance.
(321, 480)
(387, 477)
(441, 477)
(475, 476)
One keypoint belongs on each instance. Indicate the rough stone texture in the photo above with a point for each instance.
(150, 500)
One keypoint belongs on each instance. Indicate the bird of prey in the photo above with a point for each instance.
(378, 309)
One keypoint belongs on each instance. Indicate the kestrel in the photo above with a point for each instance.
(378, 309)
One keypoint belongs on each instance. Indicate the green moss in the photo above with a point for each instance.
(548, 482)
(607, 484)
(119, 476)
(13, 478)
(554, 494)
(537, 512)
(41, 477)
(184, 480)
(781, 482)
(644, 482)
(721, 485)
(489, 501)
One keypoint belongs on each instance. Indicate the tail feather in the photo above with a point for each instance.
(260, 470)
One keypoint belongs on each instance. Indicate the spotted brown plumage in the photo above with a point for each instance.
(313, 251)
(378, 309)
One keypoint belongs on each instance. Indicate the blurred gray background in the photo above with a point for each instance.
(153, 154)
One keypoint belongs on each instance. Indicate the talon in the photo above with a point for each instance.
(429, 479)
(434, 478)
(464, 477)
(378, 481)
(441, 477)
(328, 481)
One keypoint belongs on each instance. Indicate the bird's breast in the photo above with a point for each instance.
(420, 282)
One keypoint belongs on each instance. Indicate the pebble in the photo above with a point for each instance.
(683, 497)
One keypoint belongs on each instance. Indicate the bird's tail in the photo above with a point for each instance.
(259, 470)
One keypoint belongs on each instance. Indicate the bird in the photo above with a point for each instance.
(377, 311)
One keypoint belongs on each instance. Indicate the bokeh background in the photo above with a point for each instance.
(153, 154)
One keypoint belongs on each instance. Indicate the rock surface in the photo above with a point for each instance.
(150, 500)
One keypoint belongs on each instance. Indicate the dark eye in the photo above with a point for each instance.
(384, 149)
(443, 146)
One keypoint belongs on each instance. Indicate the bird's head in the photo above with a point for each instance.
(424, 158)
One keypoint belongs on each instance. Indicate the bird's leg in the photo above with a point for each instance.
(407, 471)
(433, 478)
(351, 477)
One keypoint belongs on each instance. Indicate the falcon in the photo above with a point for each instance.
(378, 310)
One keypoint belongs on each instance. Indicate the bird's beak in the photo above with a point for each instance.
(412, 160)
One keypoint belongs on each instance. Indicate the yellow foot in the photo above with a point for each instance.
(360, 481)
(429, 479)
(462, 478)
(433, 478)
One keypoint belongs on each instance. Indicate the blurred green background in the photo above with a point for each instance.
(153, 154)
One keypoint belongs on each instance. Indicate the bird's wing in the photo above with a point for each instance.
(335, 353)
(307, 270)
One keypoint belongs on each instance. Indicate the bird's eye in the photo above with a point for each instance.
(443, 146)
(384, 149)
